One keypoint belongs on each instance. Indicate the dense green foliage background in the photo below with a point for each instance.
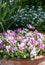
(19, 13)
(33, 2)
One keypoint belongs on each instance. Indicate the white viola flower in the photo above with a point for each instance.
(33, 53)
(1, 41)
(8, 48)
(43, 37)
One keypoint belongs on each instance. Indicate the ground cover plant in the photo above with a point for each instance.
(26, 43)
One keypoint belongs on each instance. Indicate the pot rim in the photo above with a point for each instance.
(36, 58)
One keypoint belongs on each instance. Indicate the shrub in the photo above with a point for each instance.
(31, 15)
(11, 16)
(32, 2)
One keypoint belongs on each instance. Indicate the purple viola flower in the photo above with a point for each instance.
(23, 40)
(4, 41)
(37, 33)
(31, 27)
(2, 46)
(10, 32)
(22, 46)
(10, 39)
(37, 42)
(18, 37)
(20, 31)
(34, 42)
(41, 46)
(29, 34)
(14, 49)
(30, 44)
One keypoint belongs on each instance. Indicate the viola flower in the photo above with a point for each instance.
(43, 37)
(29, 34)
(33, 53)
(8, 48)
(10, 39)
(30, 45)
(34, 42)
(23, 40)
(31, 27)
(4, 33)
(12, 33)
(41, 46)
(20, 31)
(13, 49)
(18, 37)
(36, 31)
(2, 46)
(37, 34)
(29, 42)
(22, 46)
(1, 41)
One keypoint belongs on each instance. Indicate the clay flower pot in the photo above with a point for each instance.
(40, 60)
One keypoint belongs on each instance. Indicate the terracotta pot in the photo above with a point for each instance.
(40, 60)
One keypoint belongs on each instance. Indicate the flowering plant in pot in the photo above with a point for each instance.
(26, 43)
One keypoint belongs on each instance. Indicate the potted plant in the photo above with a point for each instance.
(22, 46)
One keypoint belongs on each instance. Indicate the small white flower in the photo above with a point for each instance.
(33, 53)
(8, 48)
(43, 37)
(0, 41)
(11, 1)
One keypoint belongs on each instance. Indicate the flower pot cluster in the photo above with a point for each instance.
(26, 43)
